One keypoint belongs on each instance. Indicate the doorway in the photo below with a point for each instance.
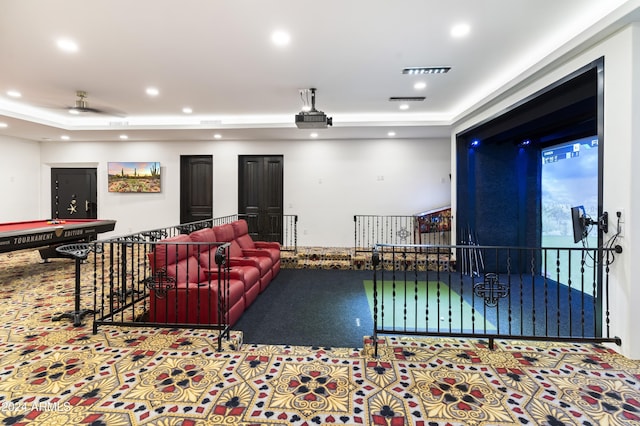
(260, 200)
(196, 188)
(74, 193)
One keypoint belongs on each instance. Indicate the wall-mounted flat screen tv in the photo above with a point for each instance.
(129, 176)
(578, 219)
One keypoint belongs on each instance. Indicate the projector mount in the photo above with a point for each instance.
(313, 118)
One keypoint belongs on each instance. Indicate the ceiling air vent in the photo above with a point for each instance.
(426, 70)
(407, 99)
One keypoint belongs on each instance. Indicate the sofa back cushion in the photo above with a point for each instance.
(205, 235)
(187, 271)
(224, 233)
(174, 255)
(169, 251)
(241, 234)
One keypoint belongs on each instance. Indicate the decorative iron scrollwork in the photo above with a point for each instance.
(160, 282)
(491, 289)
(155, 235)
(403, 234)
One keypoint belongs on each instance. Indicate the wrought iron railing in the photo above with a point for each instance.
(127, 286)
(523, 293)
(374, 229)
(290, 232)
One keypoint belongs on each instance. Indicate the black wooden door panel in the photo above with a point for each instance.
(260, 196)
(250, 187)
(74, 193)
(196, 188)
(272, 202)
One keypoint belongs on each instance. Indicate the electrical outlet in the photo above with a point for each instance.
(620, 222)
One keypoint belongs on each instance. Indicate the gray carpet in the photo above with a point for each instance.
(310, 307)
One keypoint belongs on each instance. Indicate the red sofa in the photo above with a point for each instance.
(244, 270)
(260, 259)
(188, 261)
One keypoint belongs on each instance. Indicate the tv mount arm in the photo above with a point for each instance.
(602, 223)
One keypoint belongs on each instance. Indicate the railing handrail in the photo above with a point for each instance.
(616, 249)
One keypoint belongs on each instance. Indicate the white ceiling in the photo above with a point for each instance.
(217, 58)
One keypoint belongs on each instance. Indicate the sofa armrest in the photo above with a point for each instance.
(255, 252)
(267, 245)
(233, 274)
(243, 261)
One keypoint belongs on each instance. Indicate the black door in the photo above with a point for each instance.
(74, 193)
(196, 188)
(260, 195)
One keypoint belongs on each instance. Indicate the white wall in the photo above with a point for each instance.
(326, 183)
(19, 180)
(621, 155)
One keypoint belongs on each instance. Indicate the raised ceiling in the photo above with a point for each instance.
(219, 59)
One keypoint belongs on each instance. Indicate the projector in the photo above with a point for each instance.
(312, 119)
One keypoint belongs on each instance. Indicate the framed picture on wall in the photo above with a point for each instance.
(131, 176)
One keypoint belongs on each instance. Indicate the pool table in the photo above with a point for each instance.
(50, 233)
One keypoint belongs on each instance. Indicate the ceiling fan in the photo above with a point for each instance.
(82, 106)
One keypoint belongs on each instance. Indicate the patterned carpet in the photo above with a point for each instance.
(349, 258)
(52, 373)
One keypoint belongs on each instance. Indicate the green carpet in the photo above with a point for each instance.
(404, 313)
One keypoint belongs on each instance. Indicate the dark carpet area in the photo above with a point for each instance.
(329, 308)
(310, 307)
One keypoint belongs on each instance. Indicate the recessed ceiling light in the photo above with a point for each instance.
(391, 134)
(404, 106)
(67, 45)
(420, 85)
(426, 70)
(152, 91)
(460, 30)
(217, 136)
(187, 110)
(123, 137)
(280, 38)
(3, 125)
(65, 137)
(314, 135)
(14, 93)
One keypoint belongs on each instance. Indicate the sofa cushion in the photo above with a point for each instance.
(244, 240)
(241, 234)
(196, 304)
(169, 251)
(208, 245)
(186, 271)
(204, 235)
(224, 233)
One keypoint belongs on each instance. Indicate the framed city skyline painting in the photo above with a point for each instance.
(134, 176)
